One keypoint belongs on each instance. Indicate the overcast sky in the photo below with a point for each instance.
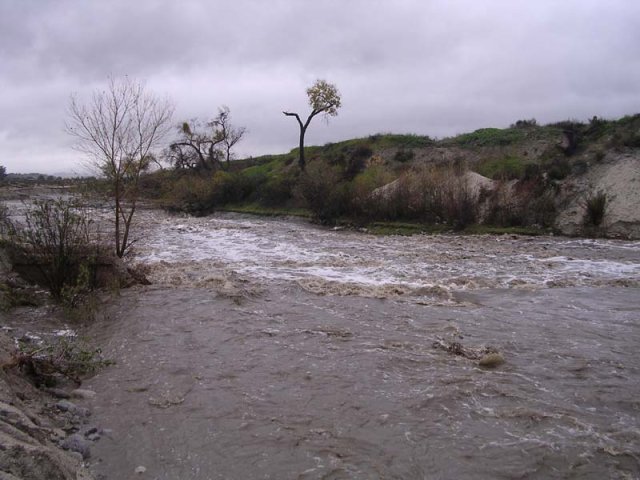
(429, 67)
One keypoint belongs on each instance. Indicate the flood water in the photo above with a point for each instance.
(273, 349)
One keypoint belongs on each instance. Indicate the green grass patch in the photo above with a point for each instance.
(389, 140)
(489, 137)
(507, 168)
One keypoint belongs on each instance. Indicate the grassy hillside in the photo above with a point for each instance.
(411, 178)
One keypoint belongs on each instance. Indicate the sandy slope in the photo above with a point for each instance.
(617, 175)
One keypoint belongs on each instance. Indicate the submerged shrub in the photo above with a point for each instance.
(60, 240)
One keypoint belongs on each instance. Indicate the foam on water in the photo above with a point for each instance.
(329, 262)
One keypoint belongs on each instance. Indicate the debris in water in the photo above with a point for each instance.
(491, 360)
(488, 357)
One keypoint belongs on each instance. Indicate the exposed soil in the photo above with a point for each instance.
(32, 428)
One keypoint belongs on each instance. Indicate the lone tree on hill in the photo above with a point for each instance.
(323, 98)
(119, 129)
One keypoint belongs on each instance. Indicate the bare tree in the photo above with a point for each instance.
(323, 98)
(119, 129)
(202, 146)
(197, 146)
(231, 135)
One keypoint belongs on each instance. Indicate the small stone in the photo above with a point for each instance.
(73, 409)
(57, 434)
(77, 443)
(90, 430)
(81, 393)
(57, 392)
(66, 406)
(140, 470)
(491, 360)
(77, 456)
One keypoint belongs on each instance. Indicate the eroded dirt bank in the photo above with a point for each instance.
(33, 429)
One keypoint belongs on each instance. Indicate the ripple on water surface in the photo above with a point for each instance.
(329, 262)
(315, 356)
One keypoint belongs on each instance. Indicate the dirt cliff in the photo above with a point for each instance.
(617, 176)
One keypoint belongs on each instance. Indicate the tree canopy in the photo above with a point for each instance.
(324, 98)
(203, 145)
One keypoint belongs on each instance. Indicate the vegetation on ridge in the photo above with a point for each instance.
(409, 178)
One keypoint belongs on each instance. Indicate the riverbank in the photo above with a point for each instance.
(43, 436)
(385, 228)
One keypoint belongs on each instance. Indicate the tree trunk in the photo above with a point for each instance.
(118, 207)
(301, 161)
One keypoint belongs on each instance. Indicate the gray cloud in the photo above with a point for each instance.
(436, 68)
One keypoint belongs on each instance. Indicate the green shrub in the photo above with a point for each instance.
(531, 123)
(532, 171)
(527, 203)
(363, 202)
(427, 194)
(357, 161)
(507, 168)
(595, 209)
(192, 194)
(574, 133)
(403, 155)
(558, 169)
(599, 155)
(486, 137)
(278, 190)
(323, 191)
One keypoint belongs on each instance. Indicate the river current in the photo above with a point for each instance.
(274, 349)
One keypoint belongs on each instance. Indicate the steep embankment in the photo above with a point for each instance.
(576, 161)
(617, 176)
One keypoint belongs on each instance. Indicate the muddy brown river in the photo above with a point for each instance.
(273, 349)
